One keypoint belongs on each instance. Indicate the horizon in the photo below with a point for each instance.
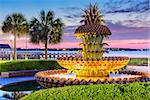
(75, 48)
(129, 30)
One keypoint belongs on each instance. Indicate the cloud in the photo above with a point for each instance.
(131, 13)
(124, 32)
(137, 23)
(69, 34)
(133, 20)
(135, 43)
(72, 16)
(119, 32)
(127, 19)
(67, 16)
(70, 28)
(71, 12)
(141, 43)
(70, 9)
(126, 6)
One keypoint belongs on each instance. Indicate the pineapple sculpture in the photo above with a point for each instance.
(92, 63)
(92, 33)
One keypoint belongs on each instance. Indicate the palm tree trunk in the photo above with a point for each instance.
(46, 50)
(15, 54)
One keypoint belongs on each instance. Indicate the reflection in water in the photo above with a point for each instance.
(14, 95)
(112, 75)
(4, 81)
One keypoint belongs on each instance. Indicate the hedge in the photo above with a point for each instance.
(28, 65)
(134, 91)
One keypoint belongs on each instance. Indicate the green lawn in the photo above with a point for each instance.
(28, 65)
(138, 61)
(134, 91)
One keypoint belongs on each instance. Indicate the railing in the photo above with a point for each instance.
(52, 56)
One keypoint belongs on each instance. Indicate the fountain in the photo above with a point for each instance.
(91, 63)
(90, 67)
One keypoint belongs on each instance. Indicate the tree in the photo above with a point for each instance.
(17, 25)
(46, 30)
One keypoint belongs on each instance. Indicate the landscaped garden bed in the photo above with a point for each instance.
(28, 65)
(134, 91)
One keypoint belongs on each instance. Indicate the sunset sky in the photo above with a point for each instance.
(127, 19)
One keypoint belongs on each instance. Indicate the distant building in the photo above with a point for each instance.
(4, 48)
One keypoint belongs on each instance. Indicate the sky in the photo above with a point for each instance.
(128, 20)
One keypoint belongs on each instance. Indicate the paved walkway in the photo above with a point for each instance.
(139, 68)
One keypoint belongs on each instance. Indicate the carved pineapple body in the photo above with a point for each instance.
(92, 33)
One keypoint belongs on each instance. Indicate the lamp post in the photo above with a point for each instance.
(26, 57)
(148, 62)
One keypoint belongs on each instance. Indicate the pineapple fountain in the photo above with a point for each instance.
(92, 62)
(90, 67)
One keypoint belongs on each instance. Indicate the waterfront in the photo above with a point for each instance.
(131, 54)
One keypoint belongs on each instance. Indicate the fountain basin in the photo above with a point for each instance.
(51, 78)
(93, 67)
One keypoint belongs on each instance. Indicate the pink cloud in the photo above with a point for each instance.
(128, 30)
(139, 44)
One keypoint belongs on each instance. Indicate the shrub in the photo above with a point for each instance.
(134, 91)
(28, 65)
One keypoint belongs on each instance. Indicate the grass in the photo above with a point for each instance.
(28, 65)
(134, 91)
(138, 61)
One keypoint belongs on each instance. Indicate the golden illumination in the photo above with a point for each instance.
(94, 68)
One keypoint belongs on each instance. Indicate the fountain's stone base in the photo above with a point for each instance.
(49, 78)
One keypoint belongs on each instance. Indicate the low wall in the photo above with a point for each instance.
(19, 73)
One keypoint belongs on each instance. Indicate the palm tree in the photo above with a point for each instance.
(46, 30)
(17, 25)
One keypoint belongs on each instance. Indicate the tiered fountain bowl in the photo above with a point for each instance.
(90, 67)
(93, 67)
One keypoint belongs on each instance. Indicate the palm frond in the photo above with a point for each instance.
(43, 17)
(15, 23)
(50, 31)
(49, 17)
